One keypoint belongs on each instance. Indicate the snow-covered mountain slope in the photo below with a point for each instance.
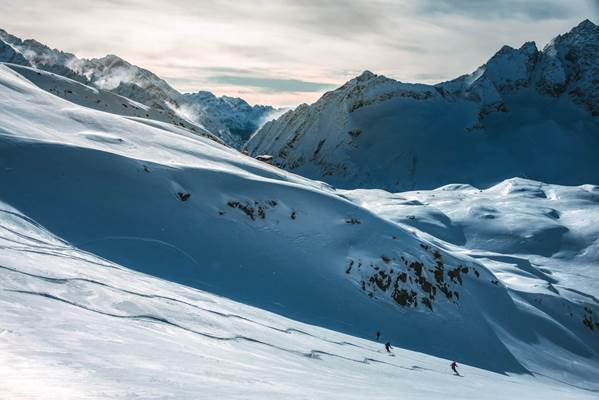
(109, 73)
(165, 202)
(102, 100)
(10, 55)
(231, 119)
(550, 231)
(524, 113)
(36, 54)
(76, 326)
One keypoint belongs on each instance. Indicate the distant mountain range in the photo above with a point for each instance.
(526, 113)
(233, 120)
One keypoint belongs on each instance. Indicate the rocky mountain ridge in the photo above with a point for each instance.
(230, 119)
(518, 114)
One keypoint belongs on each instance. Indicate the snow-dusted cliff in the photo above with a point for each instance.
(230, 119)
(526, 113)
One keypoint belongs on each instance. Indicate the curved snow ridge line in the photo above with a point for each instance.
(583, 294)
(547, 315)
(152, 296)
(150, 318)
(142, 239)
(67, 280)
(23, 236)
(522, 263)
(29, 249)
(35, 224)
(26, 244)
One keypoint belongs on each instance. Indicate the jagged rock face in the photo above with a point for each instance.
(523, 113)
(115, 74)
(570, 65)
(10, 55)
(231, 119)
(41, 56)
(109, 73)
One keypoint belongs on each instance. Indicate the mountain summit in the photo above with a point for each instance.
(525, 112)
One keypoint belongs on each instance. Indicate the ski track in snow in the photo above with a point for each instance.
(311, 354)
(141, 239)
(150, 296)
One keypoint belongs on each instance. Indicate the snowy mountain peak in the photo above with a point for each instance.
(233, 120)
(378, 132)
(364, 76)
(585, 28)
(584, 34)
(112, 59)
(570, 66)
(529, 48)
(512, 68)
(4, 34)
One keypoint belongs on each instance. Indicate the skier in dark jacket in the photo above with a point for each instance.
(454, 367)
(388, 347)
(378, 336)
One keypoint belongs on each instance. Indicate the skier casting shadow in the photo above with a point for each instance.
(454, 368)
(388, 347)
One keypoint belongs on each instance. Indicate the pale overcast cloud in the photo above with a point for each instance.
(286, 52)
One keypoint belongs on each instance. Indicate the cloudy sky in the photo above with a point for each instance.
(285, 52)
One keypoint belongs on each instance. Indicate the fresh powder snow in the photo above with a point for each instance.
(140, 259)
